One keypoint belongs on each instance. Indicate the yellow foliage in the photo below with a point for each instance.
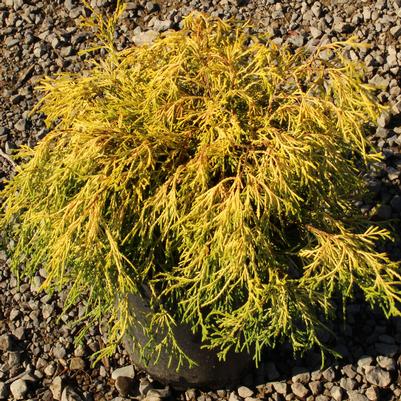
(217, 169)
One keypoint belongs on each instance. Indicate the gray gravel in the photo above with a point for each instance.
(38, 357)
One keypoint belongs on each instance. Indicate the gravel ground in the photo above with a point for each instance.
(38, 358)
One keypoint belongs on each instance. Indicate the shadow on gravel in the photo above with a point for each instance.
(365, 338)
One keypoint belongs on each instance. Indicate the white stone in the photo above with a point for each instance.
(355, 396)
(386, 362)
(365, 361)
(126, 371)
(280, 387)
(377, 376)
(244, 392)
(3, 391)
(19, 389)
(50, 369)
(337, 393)
(56, 388)
(301, 378)
(396, 31)
(299, 390)
(145, 38)
(234, 397)
(371, 393)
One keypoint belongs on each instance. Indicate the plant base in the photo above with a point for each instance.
(209, 372)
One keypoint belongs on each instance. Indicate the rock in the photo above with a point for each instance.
(386, 362)
(11, 42)
(343, 27)
(396, 109)
(25, 75)
(316, 387)
(126, 371)
(190, 394)
(392, 59)
(71, 394)
(50, 369)
(280, 387)
(124, 385)
(382, 132)
(301, 378)
(348, 384)
(299, 390)
(18, 389)
(150, 397)
(396, 31)
(244, 392)
(161, 26)
(102, 371)
(17, 4)
(322, 397)
(349, 371)
(80, 350)
(336, 393)
(355, 396)
(316, 33)
(380, 82)
(47, 311)
(3, 391)
(377, 376)
(384, 119)
(38, 50)
(14, 358)
(326, 54)
(56, 387)
(234, 397)
(20, 125)
(6, 342)
(150, 6)
(145, 38)
(393, 174)
(69, 4)
(316, 9)
(66, 51)
(372, 393)
(59, 352)
(36, 283)
(296, 40)
(365, 361)
(77, 363)
(329, 374)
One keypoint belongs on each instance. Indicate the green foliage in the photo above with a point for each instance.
(217, 170)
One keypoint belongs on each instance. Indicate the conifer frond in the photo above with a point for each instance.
(215, 168)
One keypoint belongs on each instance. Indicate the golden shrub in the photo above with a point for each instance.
(215, 168)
